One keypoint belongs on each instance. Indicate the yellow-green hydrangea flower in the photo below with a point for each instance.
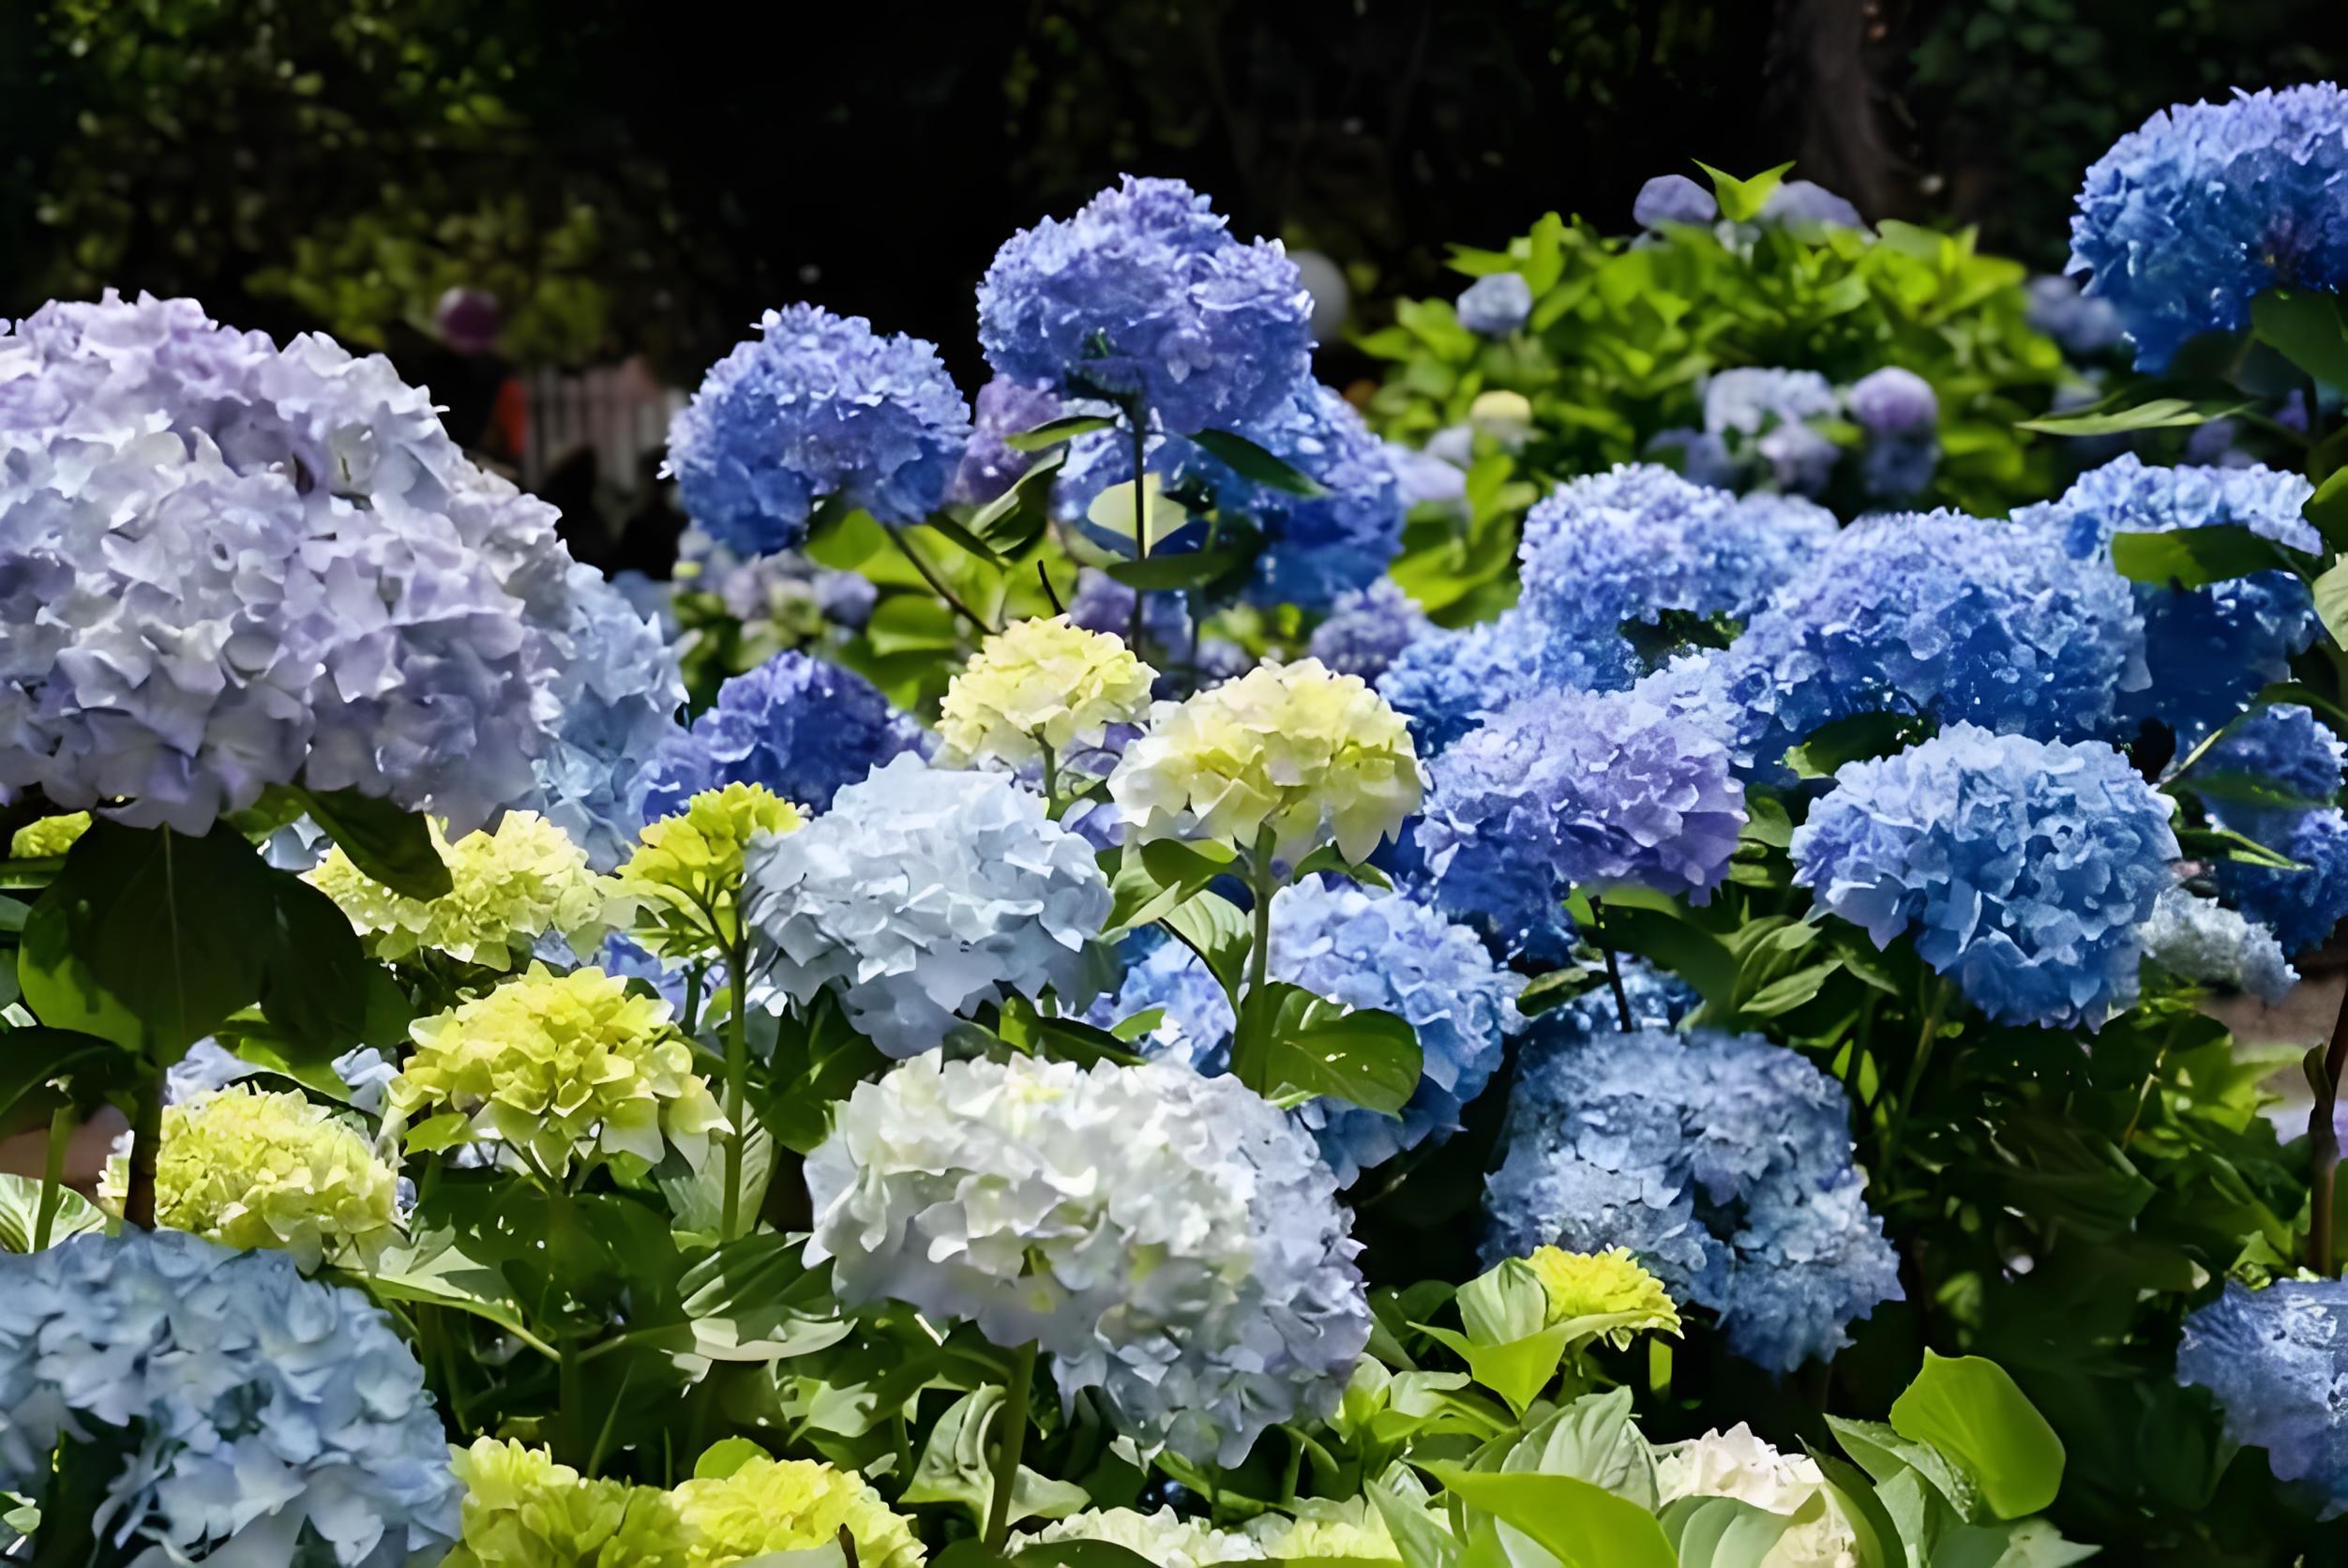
(1309, 755)
(561, 1067)
(1353, 1530)
(510, 887)
(1609, 1284)
(780, 1505)
(248, 1168)
(686, 869)
(522, 1510)
(1039, 687)
(50, 836)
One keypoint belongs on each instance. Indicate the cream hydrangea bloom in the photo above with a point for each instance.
(1163, 1537)
(562, 1067)
(1039, 687)
(1309, 755)
(687, 872)
(1608, 1284)
(1353, 1530)
(508, 889)
(780, 1505)
(48, 837)
(522, 1510)
(253, 1170)
(1736, 1464)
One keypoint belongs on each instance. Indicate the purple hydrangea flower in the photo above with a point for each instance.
(990, 466)
(1893, 401)
(1496, 304)
(1673, 199)
(2081, 327)
(1368, 628)
(1806, 201)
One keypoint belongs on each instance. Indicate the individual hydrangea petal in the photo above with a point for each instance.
(685, 876)
(2207, 205)
(2200, 938)
(563, 1068)
(1673, 199)
(1496, 304)
(264, 1405)
(522, 1510)
(795, 725)
(2210, 649)
(1040, 687)
(786, 1505)
(1893, 401)
(1721, 1162)
(508, 888)
(923, 892)
(990, 464)
(817, 407)
(1368, 628)
(2022, 868)
(1290, 750)
(1144, 293)
(1736, 1464)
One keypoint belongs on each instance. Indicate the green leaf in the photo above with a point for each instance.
(1970, 1409)
(1184, 570)
(1593, 1439)
(2331, 599)
(2307, 328)
(318, 986)
(1012, 520)
(1421, 1541)
(1291, 1045)
(2328, 509)
(754, 1300)
(1330, 859)
(1741, 201)
(1729, 1532)
(30, 1058)
(1051, 432)
(1879, 1544)
(1789, 991)
(1854, 739)
(1503, 1304)
(1082, 1554)
(911, 623)
(963, 539)
(385, 842)
(1253, 464)
(957, 1467)
(1666, 936)
(1149, 880)
(20, 1214)
(1582, 1526)
(2026, 1543)
(1213, 928)
(2160, 413)
(1516, 1369)
(2224, 843)
(2195, 557)
(725, 1456)
(146, 938)
(1887, 1456)
(1023, 1027)
(813, 1068)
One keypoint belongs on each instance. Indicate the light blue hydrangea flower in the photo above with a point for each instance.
(2081, 327)
(1894, 402)
(2199, 938)
(1807, 202)
(1368, 628)
(1496, 304)
(2210, 649)
(1673, 199)
(990, 466)
(617, 692)
(2207, 205)
(266, 1407)
(1575, 789)
(1722, 1162)
(797, 725)
(1365, 949)
(2276, 1361)
(816, 406)
(2022, 868)
(1750, 400)
(1427, 480)
(2302, 906)
(226, 565)
(1144, 293)
(922, 893)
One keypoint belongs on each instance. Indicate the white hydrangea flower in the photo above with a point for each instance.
(1736, 1464)
(923, 892)
(1163, 1537)
(1172, 1240)
(2200, 938)
(1039, 687)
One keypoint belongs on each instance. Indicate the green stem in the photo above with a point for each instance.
(2323, 1146)
(52, 1175)
(737, 1087)
(1051, 783)
(691, 1020)
(1137, 415)
(147, 1134)
(1614, 965)
(1011, 1439)
(936, 583)
(1261, 883)
(1915, 1079)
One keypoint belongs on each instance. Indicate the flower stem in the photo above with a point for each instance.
(146, 1133)
(936, 583)
(737, 1087)
(1137, 415)
(1010, 1440)
(1915, 1079)
(691, 1018)
(1261, 883)
(2323, 1146)
(52, 1175)
(1051, 783)
(1614, 966)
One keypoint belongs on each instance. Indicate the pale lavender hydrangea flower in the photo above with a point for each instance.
(1368, 628)
(2199, 938)
(1894, 402)
(1673, 199)
(990, 466)
(1496, 304)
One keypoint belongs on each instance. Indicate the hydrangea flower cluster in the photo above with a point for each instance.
(2199, 938)
(2207, 205)
(1591, 789)
(522, 1510)
(253, 1170)
(2274, 1359)
(264, 1407)
(1145, 294)
(1496, 304)
(2085, 328)
(923, 892)
(1365, 949)
(229, 566)
(617, 692)
(1291, 751)
(2210, 649)
(687, 873)
(817, 407)
(1165, 1537)
(1368, 628)
(1170, 1239)
(1736, 1464)
(990, 464)
(2023, 869)
(1721, 1162)
(1043, 687)
(1893, 401)
(798, 726)
(2304, 906)
(561, 1068)
(786, 1505)
(1608, 1284)
(510, 887)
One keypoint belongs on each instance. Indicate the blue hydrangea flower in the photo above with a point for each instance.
(1576, 789)
(2022, 868)
(617, 693)
(1427, 480)
(2081, 327)
(2210, 649)
(1368, 628)
(1894, 402)
(1101, 603)
(2200, 938)
(1898, 468)
(1806, 201)
(1146, 294)
(263, 1405)
(2276, 1361)
(1722, 1162)
(1448, 683)
(2286, 748)
(797, 725)
(1496, 304)
(2303, 907)
(2207, 205)
(1673, 199)
(816, 406)
(1750, 400)
(990, 466)
(226, 565)
(1940, 614)
(1365, 949)
(1701, 456)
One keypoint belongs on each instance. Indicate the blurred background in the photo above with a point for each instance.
(558, 215)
